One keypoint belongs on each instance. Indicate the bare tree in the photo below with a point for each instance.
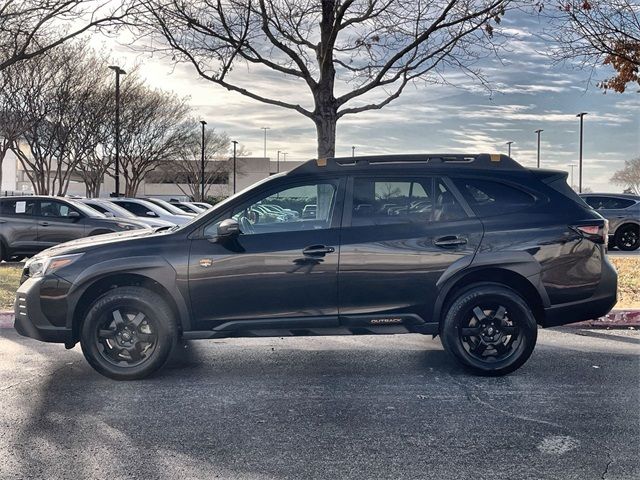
(629, 176)
(185, 170)
(153, 130)
(597, 32)
(29, 28)
(350, 55)
(58, 102)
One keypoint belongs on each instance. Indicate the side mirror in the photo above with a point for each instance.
(109, 215)
(73, 214)
(228, 228)
(150, 214)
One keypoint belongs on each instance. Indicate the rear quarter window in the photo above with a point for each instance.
(18, 207)
(491, 198)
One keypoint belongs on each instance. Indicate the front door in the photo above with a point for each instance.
(58, 222)
(282, 266)
(400, 234)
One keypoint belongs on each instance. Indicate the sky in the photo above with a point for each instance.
(530, 91)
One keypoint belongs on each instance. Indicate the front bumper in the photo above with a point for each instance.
(596, 306)
(30, 320)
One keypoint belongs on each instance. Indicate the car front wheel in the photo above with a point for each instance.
(128, 333)
(490, 330)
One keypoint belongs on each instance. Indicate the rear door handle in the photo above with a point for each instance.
(450, 241)
(318, 250)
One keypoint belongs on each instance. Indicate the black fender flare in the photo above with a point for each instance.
(518, 262)
(154, 268)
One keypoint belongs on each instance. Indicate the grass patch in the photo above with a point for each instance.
(628, 282)
(9, 280)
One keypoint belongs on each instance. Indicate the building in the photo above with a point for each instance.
(159, 183)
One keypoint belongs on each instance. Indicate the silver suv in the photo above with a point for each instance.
(623, 212)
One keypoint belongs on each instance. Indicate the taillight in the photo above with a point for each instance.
(596, 232)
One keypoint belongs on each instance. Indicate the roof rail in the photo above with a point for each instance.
(481, 160)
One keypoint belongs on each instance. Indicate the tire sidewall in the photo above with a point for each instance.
(518, 310)
(153, 306)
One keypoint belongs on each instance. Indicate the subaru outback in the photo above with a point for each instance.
(474, 248)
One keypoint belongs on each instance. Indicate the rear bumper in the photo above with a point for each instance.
(30, 321)
(598, 305)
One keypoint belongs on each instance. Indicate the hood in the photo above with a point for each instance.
(84, 244)
(110, 221)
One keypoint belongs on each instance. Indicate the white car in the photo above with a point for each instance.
(168, 207)
(110, 209)
(145, 209)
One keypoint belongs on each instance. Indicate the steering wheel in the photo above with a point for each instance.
(246, 225)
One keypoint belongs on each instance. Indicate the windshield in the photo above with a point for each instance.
(167, 206)
(213, 211)
(117, 210)
(85, 209)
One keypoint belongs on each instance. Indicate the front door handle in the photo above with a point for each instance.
(449, 241)
(44, 224)
(318, 250)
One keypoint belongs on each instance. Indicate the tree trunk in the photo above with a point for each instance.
(326, 131)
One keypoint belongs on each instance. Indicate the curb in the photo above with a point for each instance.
(616, 319)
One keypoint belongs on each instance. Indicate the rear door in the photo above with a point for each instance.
(19, 225)
(59, 222)
(400, 233)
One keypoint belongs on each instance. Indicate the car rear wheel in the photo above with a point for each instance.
(628, 237)
(490, 330)
(128, 333)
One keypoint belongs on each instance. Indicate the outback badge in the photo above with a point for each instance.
(206, 262)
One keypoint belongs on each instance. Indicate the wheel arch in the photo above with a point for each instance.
(151, 273)
(490, 275)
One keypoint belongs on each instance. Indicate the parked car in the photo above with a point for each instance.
(110, 209)
(169, 207)
(501, 250)
(144, 209)
(203, 205)
(309, 211)
(623, 212)
(31, 224)
(188, 207)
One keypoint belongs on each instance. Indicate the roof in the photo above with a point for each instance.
(630, 196)
(420, 160)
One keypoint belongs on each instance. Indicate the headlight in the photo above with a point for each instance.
(127, 226)
(41, 266)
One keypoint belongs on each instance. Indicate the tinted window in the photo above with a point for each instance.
(18, 207)
(52, 208)
(608, 203)
(136, 209)
(97, 207)
(487, 197)
(378, 201)
(303, 207)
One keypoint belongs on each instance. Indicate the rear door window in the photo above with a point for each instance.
(393, 200)
(490, 198)
(18, 207)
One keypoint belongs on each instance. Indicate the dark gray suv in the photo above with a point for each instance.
(623, 212)
(31, 224)
(474, 248)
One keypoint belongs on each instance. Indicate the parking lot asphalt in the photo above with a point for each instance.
(327, 407)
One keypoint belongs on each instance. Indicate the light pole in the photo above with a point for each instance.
(234, 165)
(284, 156)
(509, 144)
(353, 152)
(265, 140)
(581, 116)
(278, 163)
(539, 132)
(202, 161)
(119, 72)
(572, 165)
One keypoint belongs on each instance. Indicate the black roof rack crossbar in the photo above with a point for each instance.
(481, 160)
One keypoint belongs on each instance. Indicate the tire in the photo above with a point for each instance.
(489, 329)
(627, 238)
(128, 333)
